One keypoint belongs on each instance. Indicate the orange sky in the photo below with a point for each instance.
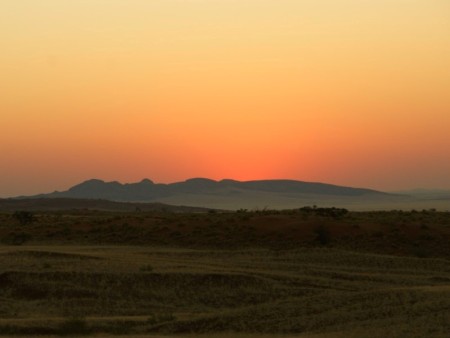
(352, 92)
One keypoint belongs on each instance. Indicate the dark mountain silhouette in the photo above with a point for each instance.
(146, 190)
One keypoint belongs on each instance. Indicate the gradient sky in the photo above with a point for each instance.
(350, 92)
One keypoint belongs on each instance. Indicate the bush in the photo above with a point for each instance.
(322, 235)
(16, 238)
(24, 217)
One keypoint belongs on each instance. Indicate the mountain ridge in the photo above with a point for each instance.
(147, 190)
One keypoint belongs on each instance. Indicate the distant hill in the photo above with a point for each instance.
(56, 204)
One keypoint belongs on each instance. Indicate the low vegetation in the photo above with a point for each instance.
(422, 234)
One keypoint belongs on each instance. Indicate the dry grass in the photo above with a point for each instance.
(277, 288)
(314, 291)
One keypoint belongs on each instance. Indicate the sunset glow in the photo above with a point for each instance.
(350, 92)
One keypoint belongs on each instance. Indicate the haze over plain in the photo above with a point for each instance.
(351, 92)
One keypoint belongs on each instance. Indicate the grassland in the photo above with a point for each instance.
(298, 273)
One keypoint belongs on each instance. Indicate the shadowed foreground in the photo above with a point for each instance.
(297, 280)
(119, 290)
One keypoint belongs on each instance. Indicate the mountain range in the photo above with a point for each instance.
(231, 194)
(224, 194)
(146, 190)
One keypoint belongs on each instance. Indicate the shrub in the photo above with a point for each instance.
(322, 234)
(16, 238)
(24, 217)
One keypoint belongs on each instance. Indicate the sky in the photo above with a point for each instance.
(351, 92)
